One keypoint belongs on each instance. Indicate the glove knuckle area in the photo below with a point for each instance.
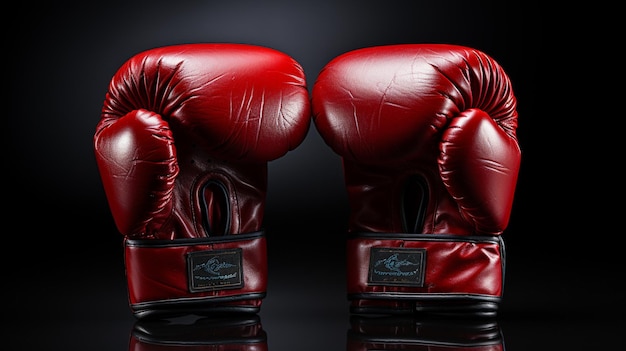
(438, 80)
(233, 93)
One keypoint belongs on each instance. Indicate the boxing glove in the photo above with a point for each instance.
(427, 137)
(182, 146)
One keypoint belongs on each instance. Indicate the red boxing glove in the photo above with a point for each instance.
(431, 334)
(427, 136)
(182, 148)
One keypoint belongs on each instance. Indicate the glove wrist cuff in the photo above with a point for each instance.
(424, 271)
(227, 273)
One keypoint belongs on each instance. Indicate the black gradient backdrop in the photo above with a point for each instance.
(64, 277)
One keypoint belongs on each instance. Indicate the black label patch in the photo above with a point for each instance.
(214, 270)
(394, 266)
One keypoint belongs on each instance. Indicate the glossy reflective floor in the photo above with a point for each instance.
(100, 324)
(86, 309)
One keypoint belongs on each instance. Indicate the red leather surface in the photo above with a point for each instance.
(182, 147)
(398, 111)
(159, 273)
(177, 116)
(459, 268)
(427, 137)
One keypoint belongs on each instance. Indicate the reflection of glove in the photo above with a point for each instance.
(427, 135)
(243, 333)
(407, 333)
(182, 148)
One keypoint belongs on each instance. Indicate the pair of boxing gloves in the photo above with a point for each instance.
(426, 134)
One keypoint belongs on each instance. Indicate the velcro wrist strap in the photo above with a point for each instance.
(424, 266)
(195, 271)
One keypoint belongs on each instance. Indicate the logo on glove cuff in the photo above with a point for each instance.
(403, 267)
(214, 270)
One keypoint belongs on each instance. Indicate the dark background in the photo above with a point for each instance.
(64, 277)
